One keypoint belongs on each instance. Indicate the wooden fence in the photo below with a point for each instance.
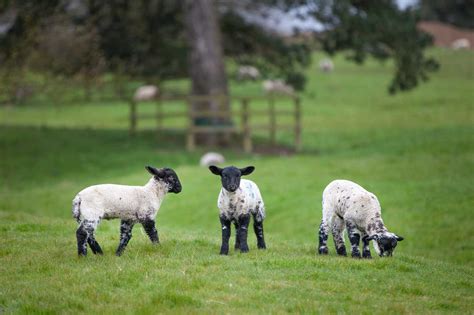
(245, 129)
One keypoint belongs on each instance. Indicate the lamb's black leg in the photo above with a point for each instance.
(323, 238)
(244, 221)
(354, 238)
(366, 247)
(125, 236)
(94, 245)
(338, 235)
(237, 241)
(150, 229)
(258, 229)
(225, 223)
(81, 235)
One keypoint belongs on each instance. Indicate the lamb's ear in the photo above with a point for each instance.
(399, 238)
(155, 172)
(215, 170)
(247, 170)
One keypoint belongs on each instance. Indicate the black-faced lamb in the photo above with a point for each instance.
(238, 199)
(131, 204)
(348, 205)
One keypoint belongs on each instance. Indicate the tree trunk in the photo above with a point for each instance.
(206, 60)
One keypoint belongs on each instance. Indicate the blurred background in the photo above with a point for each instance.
(378, 92)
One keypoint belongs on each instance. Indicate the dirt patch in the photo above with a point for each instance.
(445, 34)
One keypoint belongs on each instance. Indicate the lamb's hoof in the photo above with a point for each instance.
(356, 255)
(323, 251)
(341, 251)
(366, 255)
(244, 249)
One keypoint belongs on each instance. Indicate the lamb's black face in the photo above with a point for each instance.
(168, 176)
(385, 244)
(230, 176)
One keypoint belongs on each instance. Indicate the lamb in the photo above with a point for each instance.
(146, 93)
(326, 65)
(248, 73)
(132, 204)
(346, 204)
(277, 87)
(211, 158)
(238, 199)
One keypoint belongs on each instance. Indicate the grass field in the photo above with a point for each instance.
(413, 150)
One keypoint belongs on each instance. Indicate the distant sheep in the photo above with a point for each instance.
(211, 158)
(248, 73)
(277, 87)
(131, 204)
(146, 93)
(461, 43)
(348, 205)
(326, 65)
(238, 199)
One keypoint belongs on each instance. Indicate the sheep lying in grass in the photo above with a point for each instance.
(346, 204)
(238, 199)
(146, 93)
(132, 204)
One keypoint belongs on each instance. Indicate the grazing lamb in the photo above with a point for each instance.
(277, 87)
(248, 73)
(132, 204)
(326, 65)
(238, 199)
(346, 204)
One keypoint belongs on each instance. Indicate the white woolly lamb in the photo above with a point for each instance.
(248, 73)
(326, 65)
(348, 205)
(131, 204)
(238, 199)
(277, 87)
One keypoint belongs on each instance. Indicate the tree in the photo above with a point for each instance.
(459, 12)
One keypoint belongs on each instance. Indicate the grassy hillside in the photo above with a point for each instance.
(413, 150)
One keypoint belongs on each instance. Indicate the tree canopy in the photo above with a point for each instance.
(147, 38)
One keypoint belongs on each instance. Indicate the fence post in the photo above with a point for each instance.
(133, 117)
(190, 137)
(247, 136)
(297, 124)
(271, 112)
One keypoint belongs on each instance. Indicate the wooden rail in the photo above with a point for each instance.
(245, 113)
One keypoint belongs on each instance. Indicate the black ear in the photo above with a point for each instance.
(155, 172)
(215, 170)
(399, 238)
(247, 170)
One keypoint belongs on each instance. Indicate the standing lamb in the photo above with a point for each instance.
(346, 204)
(237, 200)
(132, 204)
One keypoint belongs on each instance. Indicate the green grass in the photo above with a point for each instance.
(414, 150)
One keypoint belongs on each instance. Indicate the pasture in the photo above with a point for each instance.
(413, 150)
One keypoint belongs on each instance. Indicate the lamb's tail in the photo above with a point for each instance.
(76, 208)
